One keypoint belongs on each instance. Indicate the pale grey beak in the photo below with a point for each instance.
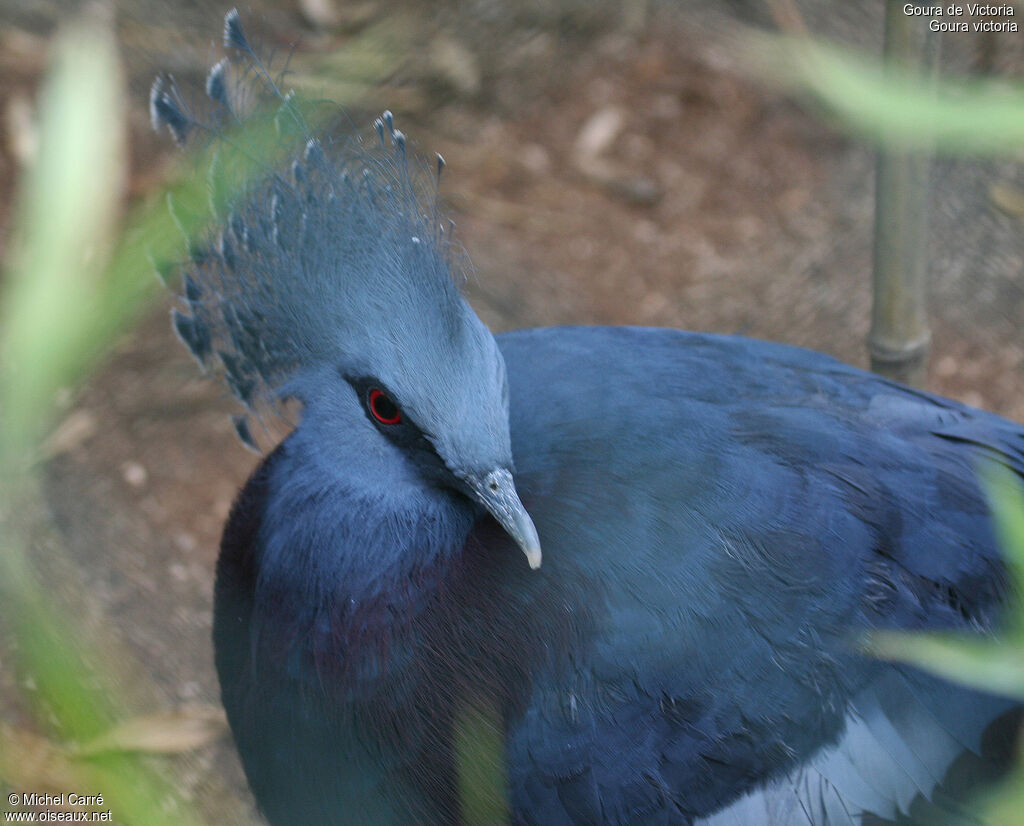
(497, 492)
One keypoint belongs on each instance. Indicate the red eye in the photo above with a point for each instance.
(383, 409)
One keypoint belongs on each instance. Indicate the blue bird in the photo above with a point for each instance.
(721, 520)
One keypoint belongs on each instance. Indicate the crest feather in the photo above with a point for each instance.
(308, 252)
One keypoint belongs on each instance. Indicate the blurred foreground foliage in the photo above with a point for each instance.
(71, 283)
(988, 663)
(891, 107)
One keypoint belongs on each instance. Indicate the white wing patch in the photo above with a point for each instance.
(901, 737)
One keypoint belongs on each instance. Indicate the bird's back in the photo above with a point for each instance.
(729, 515)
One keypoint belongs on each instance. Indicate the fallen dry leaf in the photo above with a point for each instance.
(28, 761)
(1009, 199)
(76, 429)
(166, 732)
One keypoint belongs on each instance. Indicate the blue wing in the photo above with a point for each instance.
(726, 517)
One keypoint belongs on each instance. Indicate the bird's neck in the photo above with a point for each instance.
(346, 566)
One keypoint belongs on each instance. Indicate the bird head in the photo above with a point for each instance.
(333, 284)
(417, 382)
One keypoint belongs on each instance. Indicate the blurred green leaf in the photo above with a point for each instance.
(1005, 806)
(61, 302)
(994, 664)
(71, 285)
(1007, 502)
(888, 105)
(480, 757)
(987, 664)
(67, 212)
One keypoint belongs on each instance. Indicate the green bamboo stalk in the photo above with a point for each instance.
(899, 338)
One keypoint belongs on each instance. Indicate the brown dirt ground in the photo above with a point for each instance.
(721, 205)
